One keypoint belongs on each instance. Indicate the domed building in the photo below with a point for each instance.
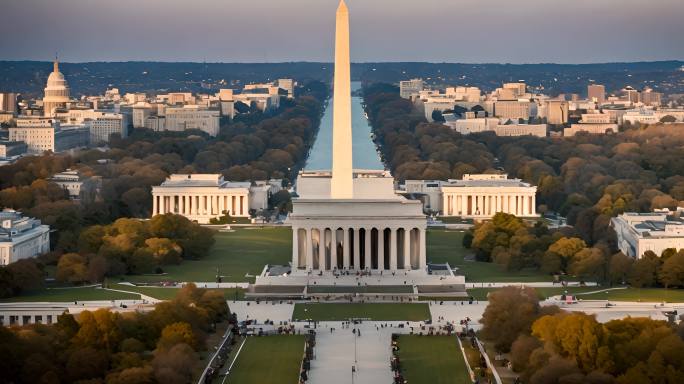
(56, 92)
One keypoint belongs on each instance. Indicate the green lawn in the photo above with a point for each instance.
(162, 293)
(635, 294)
(375, 311)
(444, 246)
(543, 293)
(630, 294)
(269, 360)
(432, 360)
(235, 254)
(71, 294)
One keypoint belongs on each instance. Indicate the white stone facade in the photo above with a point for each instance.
(21, 237)
(376, 230)
(641, 232)
(477, 196)
(201, 197)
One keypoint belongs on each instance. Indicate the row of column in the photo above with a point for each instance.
(455, 204)
(194, 205)
(358, 248)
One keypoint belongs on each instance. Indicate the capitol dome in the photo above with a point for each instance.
(56, 92)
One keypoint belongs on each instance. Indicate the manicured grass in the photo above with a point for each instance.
(543, 293)
(163, 293)
(235, 254)
(375, 311)
(656, 295)
(444, 246)
(360, 289)
(71, 294)
(269, 360)
(432, 360)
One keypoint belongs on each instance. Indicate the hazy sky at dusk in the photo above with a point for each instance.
(562, 31)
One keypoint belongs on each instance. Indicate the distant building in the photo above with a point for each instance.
(476, 196)
(557, 112)
(45, 134)
(201, 197)
(57, 94)
(12, 148)
(103, 127)
(409, 88)
(641, 232)
(594, 123)
(488, 124)
(76, 185)
(596, 93)
(192, 117)
(512, 109)
(21, 237)
(8, 102)
(141, 112)
(651, 98)
(286, 85)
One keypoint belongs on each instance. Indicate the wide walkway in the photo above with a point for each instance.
(337, 351)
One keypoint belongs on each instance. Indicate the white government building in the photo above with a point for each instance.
(478, 196)
(21, 237)
(641, 232)
(202, 197)
(348, 219)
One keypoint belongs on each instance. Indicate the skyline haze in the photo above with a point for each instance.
(494, 31)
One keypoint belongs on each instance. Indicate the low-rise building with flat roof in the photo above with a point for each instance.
(21, 237)
(657, 231)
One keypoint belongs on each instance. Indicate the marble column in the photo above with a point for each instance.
(333, 248)
(309, 249)
(381, 248)
(357, 249)
(367, 257)
(422, 259)
(393, 249)
(345, 249)
(155, 209)
(407, 249)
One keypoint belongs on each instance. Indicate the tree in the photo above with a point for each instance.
(510, 312)
(619, 267)
(26, 275)
(644, 271)
(72, 268)
(589, 263)
(174, 334)
(164, 250)
(672, 272)
(176, 365)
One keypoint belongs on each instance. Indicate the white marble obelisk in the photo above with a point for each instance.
(341, 184)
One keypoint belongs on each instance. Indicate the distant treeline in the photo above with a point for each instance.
(29, 77)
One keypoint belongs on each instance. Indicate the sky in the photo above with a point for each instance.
(475, 31)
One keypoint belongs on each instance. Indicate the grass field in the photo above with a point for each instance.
(269, 360)
(235, 254)
(161, 293)
(636, 294)
(629, 294)
(376, 311)
(432, 360)
(71, 294)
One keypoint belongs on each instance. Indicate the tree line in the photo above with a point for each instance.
(547, 345)
(159, 346)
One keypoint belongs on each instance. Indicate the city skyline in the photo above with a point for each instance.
(382, 31)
